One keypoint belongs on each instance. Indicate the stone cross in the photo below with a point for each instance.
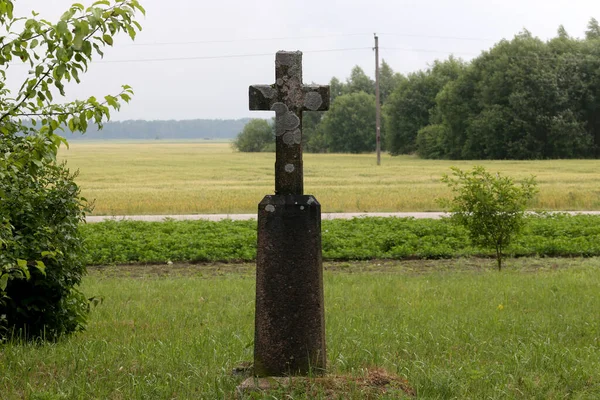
(289, 335)
(288, 97)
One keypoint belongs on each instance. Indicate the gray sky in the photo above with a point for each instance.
(201, 79)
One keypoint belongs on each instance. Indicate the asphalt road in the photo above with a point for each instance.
(242, 217)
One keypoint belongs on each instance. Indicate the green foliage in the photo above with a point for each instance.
(491, 207)
(349, 125)
(430, 141)
(359, 82)
(593, 30)
(41, 258)
(317, 133)
(312, 135)
(257, 135)
(522, 99)
(127, 242)
(411, 106)
(388, 81)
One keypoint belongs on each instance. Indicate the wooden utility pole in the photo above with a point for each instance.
(377, 103)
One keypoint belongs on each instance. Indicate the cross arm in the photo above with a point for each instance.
(262, 97)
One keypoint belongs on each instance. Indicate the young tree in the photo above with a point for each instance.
(257, 136)
(491, 207)
(41, 252)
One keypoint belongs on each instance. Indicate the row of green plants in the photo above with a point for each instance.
(126, 242)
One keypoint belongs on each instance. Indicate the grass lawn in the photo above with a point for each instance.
(180, 178)
(446, 329)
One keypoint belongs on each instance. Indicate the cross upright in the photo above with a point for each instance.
(289, 333)
(289, 97)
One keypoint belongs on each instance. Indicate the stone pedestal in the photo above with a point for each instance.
(289, 323)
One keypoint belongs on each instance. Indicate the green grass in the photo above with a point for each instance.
(120, 242)
(452, 329)
(182, 178)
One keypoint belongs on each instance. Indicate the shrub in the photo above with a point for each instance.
(491, 207)
(41, 249)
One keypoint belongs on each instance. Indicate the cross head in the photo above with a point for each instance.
(289, 97)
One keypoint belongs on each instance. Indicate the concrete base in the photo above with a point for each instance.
(289, 322)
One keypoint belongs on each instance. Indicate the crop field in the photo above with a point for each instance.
(437, 329)
(134, 242)
(186, 178)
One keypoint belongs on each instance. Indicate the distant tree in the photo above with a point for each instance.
(336, 88)
(388, 81)
(562, 32)
(312, 136)
(41, 250)
(512, 103)
(358, 81)
(491, 207)
(593, 30)
(430, 141)
(257, 135)
(349, 125)
(412, 104)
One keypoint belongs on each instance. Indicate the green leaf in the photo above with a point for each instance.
(131, 32)
(22, 265)
(108, 39)
(78, 42)
(3, 281)
(139, 7)
(33, 44)
(60, 71)
(112, 101)
(62, 28)
(41, 267)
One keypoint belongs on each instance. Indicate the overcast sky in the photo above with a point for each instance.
(211, 51)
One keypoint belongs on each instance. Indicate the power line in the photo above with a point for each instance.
(309, 37)
(427, 51)
(480, 39)
(208, 57)
(223, 56)
(245, 40)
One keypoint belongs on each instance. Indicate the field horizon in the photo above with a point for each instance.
(156, 177)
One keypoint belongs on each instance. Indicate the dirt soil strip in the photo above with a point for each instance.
(245, 217)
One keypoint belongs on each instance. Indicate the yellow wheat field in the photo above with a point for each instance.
(203, 177)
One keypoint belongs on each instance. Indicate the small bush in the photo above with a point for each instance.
(491, 207)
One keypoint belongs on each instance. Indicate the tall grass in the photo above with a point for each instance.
(453, 329)
(178, 178)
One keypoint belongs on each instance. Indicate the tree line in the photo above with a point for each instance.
(163, 130)
(524, 98)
